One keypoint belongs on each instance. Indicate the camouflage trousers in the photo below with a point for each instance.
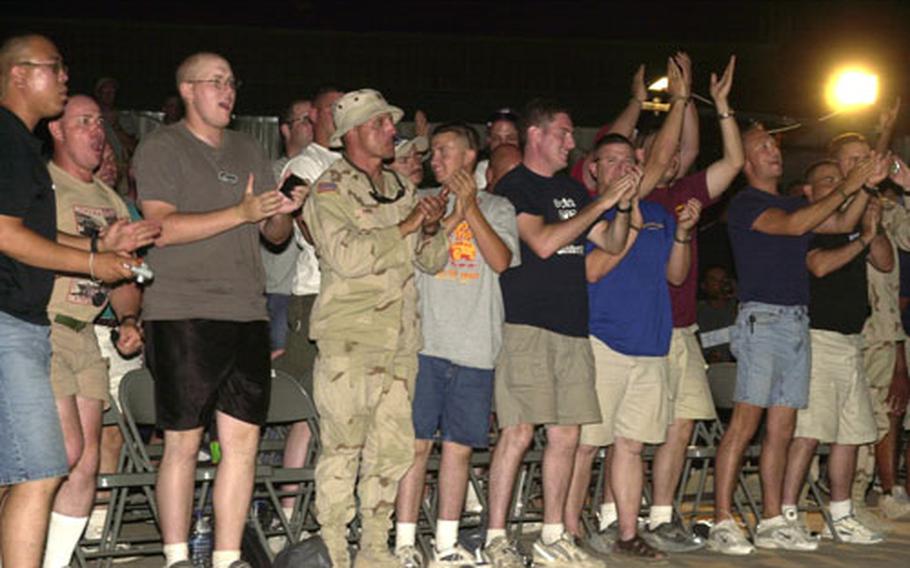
(879, 358)
(363, 396)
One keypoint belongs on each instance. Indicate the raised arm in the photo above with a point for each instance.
(599, 263)
(492, 248)
(667, 141)
(822, 262)
(625, 123)
(681, 254)
(689, 140)
(797, 223)
(722, 172)
(886, 121)
(181, 228)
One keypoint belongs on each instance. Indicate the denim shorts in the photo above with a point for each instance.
(31, 442)
(773, 355)
(277, 305)
(454, 400)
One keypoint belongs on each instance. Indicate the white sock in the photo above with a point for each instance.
(659, 515)
(288, 511)
(223, 558)
(405, 535)
(789, 511)
(63, 535)
(446, 534)
(840, 509)
(96, 522)
(607, 515)
(493, 534)
(174, 553)
(551, 532)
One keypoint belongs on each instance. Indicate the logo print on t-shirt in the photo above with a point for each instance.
(566, 209)
(463, 264)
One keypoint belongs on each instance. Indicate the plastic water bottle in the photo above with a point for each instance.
(201, 541)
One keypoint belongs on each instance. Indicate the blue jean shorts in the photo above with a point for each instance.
(454, 400)
(31, 442)
(773, 355)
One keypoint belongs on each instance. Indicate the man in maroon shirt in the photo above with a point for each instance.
(689, 391)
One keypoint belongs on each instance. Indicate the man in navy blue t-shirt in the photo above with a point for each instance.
(769, 234)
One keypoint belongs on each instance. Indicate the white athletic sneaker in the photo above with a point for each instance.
(778, 533)
(564, 553)
(725, 537)
(895, 506)
(503, 553)
(455, 557)
(849, 529)
(409, 557)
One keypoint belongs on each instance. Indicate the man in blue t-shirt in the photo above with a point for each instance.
(769, 234)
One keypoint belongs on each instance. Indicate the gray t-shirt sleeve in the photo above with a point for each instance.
(501, 216)
(156, 172)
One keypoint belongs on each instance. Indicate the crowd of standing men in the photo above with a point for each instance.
(510, 290)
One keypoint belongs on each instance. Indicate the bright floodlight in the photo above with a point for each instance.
(852, 87)
(659, 85)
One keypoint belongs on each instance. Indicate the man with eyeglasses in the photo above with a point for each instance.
(33, 458)
(370, 232)
(206, 324)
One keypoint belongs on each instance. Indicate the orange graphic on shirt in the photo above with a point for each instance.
(462, 247)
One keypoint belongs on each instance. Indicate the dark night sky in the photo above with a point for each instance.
(582, 50)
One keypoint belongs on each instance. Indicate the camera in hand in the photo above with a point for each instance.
(290, 183)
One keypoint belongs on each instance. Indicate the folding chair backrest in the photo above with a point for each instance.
(137, 405)
(722, 380)
(289, 402)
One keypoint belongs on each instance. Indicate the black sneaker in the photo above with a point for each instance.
(670, 537)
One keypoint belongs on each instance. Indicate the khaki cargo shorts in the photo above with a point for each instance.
(840, 409)
(77, 366)
(543, 377)
(632, 392)
(689, 392)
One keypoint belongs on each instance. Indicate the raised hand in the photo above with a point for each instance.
(299, 193)
(639, 91)
(685, 65)
(720, 88)
(433, 207)
(872, 216)
(888, 116)
(421, 125)
(860, 173)
(254, 208)
(677, 84)
(463, 186)
(881, 163)
(124, 236)
(623, 189)
(900, 173)
(688, 216)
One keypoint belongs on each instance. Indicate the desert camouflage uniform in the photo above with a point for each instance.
(881, 334)
(366, 325)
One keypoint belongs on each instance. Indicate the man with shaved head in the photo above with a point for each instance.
(206, 324)
(79, 373)
(32, 456)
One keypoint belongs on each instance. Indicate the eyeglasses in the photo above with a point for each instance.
(56, 67)
(220, 84)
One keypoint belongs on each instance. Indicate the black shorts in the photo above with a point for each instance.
(201, 366)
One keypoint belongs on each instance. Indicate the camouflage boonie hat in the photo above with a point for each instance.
(403, 146)
(357, 107)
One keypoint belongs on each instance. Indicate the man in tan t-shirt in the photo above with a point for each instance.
(85, 207)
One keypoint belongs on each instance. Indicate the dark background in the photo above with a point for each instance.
(460, 60)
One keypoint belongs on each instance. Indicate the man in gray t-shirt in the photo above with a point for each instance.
(205, 318)
(461, 314)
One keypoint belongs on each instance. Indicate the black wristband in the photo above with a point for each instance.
(621, 210)
(93, 246)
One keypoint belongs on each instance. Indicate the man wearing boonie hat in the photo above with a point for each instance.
(370, 231)
(409, 156)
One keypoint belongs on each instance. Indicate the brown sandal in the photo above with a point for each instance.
(636, 547)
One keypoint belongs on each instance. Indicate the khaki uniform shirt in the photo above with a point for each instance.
(367, 293)
(83, 208)
(884, 324)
